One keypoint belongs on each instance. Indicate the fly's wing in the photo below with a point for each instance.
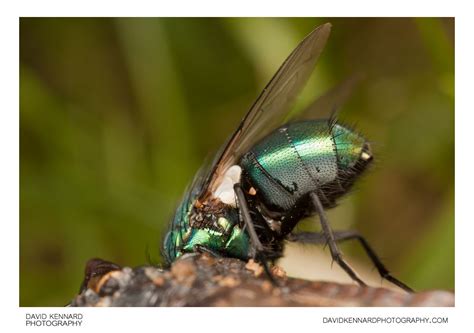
(270, 108)
(329, 104)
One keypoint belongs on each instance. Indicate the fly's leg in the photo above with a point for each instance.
(339, 236)
(330, 240)
(256, 244)
(204, 249)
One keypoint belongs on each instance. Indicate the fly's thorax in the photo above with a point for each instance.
(303, 157)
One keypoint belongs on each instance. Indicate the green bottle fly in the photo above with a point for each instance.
(269, 176)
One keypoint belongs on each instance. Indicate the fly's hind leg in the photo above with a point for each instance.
(339, 236)
(331, 241)
(255, 241)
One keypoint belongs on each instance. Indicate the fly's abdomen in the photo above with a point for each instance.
(291, 162)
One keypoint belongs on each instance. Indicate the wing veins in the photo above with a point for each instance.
(286, 83)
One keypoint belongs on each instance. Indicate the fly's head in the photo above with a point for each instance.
(208, 225)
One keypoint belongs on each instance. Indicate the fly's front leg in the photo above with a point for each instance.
(204, 249)
(331, 242)
(255, 241)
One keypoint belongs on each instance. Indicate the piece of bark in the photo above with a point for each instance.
(201, 280)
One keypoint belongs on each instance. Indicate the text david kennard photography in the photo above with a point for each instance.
(54, 319)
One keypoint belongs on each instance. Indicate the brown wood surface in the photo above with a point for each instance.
(201, 280)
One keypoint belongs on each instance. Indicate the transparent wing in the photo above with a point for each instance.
(329, 104)
(274, 102)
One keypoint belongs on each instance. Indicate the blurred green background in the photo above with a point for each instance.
(116, 115)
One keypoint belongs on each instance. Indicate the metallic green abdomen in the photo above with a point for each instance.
(300, 158)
